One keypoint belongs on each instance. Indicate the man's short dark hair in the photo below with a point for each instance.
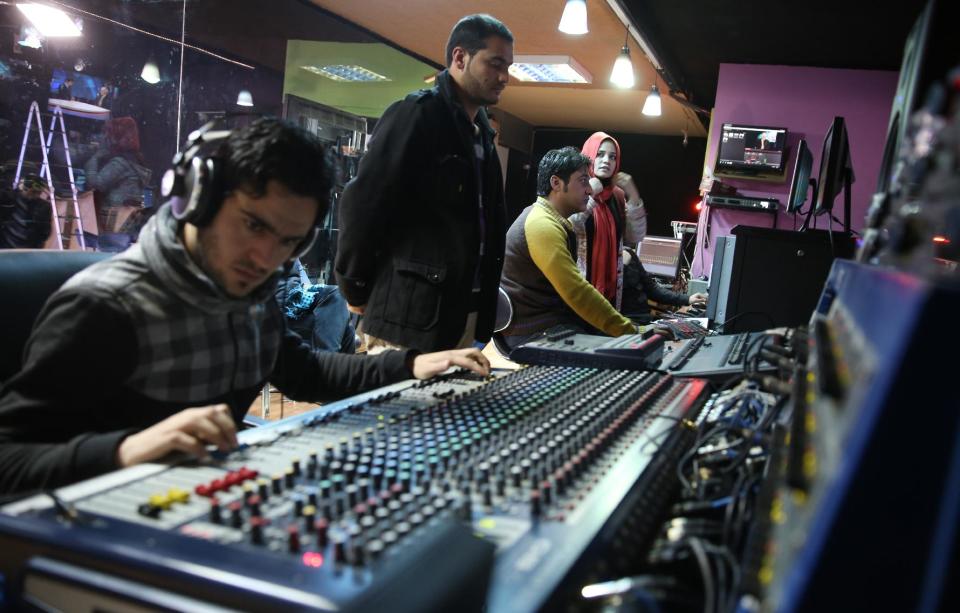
(560, 162)
(273, 149)
(471, 34)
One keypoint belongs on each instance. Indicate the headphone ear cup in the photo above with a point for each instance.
(201, 187)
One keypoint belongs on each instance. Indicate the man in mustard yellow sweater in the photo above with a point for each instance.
(540, 271)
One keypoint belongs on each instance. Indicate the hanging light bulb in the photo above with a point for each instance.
(651, 107)
(150, 72)
(574, 19)
(622, 75)
(245, 98)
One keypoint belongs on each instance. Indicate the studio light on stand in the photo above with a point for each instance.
(574, 19)
(622, 74)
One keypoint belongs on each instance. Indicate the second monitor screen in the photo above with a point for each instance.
(751, 148)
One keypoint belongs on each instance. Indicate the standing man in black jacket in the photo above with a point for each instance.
(164, 347)
(422, 224)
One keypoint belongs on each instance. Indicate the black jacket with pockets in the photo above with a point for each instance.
(410, 226)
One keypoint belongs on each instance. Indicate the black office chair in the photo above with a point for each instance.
(501, 321)
(27, 278)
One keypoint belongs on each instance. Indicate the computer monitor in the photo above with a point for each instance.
(751, 149)
(836, 172)
(801, 178)
(660, 255)
(723, 251)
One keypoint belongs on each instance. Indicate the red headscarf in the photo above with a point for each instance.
(606, 248)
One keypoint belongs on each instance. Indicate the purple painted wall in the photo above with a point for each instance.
(804, 101)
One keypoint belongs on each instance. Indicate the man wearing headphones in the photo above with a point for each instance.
(164, 347)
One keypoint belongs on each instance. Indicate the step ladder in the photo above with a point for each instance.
(63, 224)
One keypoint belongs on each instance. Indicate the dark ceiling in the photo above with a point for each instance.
(693, 38)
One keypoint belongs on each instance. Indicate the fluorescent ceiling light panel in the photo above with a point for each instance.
(344, 73)
(549, 69)
(49, 21)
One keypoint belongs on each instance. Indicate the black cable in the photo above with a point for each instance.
(773, 323)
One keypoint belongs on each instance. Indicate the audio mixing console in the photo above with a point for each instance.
(364, 502)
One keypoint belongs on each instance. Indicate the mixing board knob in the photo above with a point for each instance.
(375, 549)
(253, 503)
(339, 548)
(321, 526)
(338, 481)
(546, 492)
(535, 508)
(312, 498)
(288, 478)
(376, 474)
(263, 489)
(325, 486)
(236, 519)
(256, 529)
(293, 539)
(309, 517)
(277, 483)
(516, 475)
(215, 516)
(352, 494)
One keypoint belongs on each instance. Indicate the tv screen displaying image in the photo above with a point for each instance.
(751, 149)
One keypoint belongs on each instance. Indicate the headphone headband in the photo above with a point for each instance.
(194, 185)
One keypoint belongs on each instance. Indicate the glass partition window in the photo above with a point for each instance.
(110, 89)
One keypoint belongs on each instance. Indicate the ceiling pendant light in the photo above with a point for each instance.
(622, 75)
(651, 107)
(574, 19)
(245, 98)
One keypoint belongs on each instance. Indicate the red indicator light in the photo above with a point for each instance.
(312, 559)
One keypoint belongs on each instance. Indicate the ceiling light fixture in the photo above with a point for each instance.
(50, 21)
(549, 69)
(651, 107)
(245, 98)
(622, 74)
(346, 73)
(574, 19)
(150, 72)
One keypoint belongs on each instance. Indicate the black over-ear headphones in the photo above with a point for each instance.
(194, 185)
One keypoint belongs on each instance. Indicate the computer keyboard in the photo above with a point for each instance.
(682, 328)
(664, 260)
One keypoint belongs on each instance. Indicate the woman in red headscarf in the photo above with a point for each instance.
(614, 216)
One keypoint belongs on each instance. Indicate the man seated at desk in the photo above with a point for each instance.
(540, 273)
(164, 347)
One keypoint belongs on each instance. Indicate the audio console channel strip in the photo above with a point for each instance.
(341, 507)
